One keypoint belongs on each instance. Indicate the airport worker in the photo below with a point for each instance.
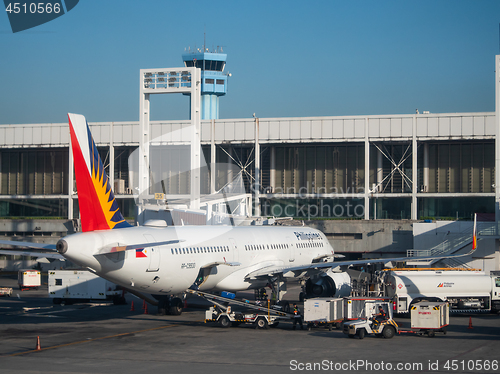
(263, 294)
(297, 317)
(381, 316)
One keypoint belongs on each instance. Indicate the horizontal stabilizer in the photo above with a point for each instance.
(117, 247)
(38, 254)
(15, 243)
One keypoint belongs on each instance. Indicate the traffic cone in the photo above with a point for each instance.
(470, 323)
(144, 304)
(132, 306)
(38, 343)
(145, 307)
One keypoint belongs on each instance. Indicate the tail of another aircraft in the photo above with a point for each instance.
(98, 208)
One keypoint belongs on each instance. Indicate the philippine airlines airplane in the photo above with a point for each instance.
(166, 261)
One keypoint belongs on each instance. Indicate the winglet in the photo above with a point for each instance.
(98, 208)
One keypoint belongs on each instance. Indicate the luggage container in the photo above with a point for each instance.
(429, 315)
(323, 311)
(428, 318)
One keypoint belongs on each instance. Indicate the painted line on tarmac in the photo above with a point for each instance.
(91, 340)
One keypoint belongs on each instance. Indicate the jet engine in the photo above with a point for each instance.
(328, 284)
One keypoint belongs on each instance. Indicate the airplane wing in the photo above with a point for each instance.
(270, 271)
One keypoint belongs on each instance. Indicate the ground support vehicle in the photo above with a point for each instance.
(466, 290)
(222, 312)
(323, 311)
(428, 318)
(361, 327)
(70, 286)
(28, 279)
(6, 291)
(370, 325)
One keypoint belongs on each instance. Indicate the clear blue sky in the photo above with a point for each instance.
(287, 58)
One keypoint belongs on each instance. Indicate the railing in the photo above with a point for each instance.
(488, 229)
(448, 246)
(418, 253)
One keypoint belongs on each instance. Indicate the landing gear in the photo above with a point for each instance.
(170, 305)
(176, 306)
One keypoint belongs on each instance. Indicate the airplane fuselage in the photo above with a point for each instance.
(227, 253)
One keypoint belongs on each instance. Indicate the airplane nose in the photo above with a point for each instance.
(62, 246)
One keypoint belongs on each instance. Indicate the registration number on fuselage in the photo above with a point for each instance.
(188, 265)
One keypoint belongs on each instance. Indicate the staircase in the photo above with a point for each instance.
(447, 247)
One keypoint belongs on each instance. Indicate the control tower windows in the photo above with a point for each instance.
(206, 64)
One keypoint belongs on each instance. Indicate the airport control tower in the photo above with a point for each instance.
(213, 78)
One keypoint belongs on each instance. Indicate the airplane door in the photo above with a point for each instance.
(153, 254)
(291, 248)
(234, 249)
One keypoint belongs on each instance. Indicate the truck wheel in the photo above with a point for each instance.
(224, 321)
(176, 306)
(261, 323)
(388, 332)
(361, 333)
(431, 334)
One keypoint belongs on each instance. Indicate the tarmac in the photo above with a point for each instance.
(106, 338)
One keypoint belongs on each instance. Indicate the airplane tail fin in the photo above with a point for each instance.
(98, 208)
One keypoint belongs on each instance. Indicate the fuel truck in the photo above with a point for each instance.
(465, 290)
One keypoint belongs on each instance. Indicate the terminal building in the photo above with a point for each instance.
(354, 177)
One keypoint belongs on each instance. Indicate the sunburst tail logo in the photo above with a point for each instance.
(98, 207)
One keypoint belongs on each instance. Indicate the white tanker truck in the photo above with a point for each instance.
(464, 290)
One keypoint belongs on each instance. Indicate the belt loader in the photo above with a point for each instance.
(225, 316)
